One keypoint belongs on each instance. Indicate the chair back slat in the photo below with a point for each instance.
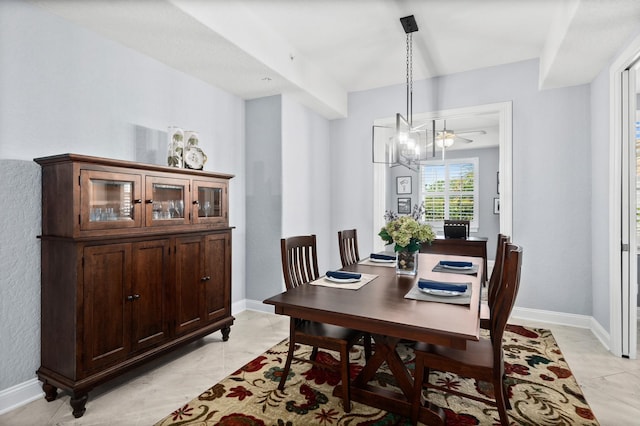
(505, 296)
(299, 260)
(496, 273)
(348, 245)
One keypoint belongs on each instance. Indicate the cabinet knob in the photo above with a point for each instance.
(149, 201)
(136, 296)
(196, 202)
(130, 298)
(205, 278)
(133, 297)
(137, 201)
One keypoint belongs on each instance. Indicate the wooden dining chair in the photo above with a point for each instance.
(348, 245)
(452, 226)
(300, 266)
(483, 359)
(494, 281)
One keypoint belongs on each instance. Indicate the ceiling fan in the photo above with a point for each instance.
(445, 138)
(458, 136)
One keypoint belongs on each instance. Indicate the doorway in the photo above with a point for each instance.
(623, 256)
(505, 167)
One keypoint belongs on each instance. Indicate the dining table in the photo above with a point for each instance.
(389, 306)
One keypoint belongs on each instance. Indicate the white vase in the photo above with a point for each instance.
(191, 138)
(175, 148)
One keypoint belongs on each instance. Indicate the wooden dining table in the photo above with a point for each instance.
(381, 309)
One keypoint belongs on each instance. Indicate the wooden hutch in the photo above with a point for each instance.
(136, 261)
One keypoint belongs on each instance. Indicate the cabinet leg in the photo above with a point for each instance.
(77, 403)
(225, 333)
(50, 391)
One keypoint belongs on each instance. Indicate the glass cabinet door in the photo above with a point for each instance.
(165, 201)
(210, 206)
(109, 200)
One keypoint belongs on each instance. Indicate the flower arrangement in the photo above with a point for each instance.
(406, 231)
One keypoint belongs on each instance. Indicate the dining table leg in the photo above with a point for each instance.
(389, 400)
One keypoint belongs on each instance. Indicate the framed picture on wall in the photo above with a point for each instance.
(403, 185)
(404, 205)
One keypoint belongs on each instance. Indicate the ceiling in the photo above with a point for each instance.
(319, 51)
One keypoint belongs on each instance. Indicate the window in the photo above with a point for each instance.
(450, 191)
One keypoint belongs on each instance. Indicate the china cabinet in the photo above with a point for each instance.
(136, 261)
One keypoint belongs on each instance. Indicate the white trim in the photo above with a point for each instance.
(615, 188)
(379, 198)
(551, 317)
(238, 307)
(257, 305)
(19, 395)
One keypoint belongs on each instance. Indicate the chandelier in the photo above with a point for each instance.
(404, 144)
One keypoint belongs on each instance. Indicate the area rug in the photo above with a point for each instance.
(542, 391)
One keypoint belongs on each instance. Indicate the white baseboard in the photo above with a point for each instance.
(256, 305)
(561, 318)
(20, 394)
(23, 393)
(238, 307)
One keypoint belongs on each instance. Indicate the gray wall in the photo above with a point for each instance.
(65, 89)
(551, 171)
(306, 174)
(599, 207)
(264, 196)
(20, 266)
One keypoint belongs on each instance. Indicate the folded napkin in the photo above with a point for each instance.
(382, 256)
(455, 264)
(341, 275)
(439, 285)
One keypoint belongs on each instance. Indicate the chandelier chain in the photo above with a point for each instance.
(409, 79)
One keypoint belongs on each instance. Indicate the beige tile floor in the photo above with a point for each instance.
(610, 384)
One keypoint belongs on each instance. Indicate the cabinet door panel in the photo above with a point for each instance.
(107, 282)
(189, 274)
(210, 203)
(110, 200)
(217, 271)
(166, 201)
(150, 278)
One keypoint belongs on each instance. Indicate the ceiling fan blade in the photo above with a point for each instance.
(472, 132)
(465, 140)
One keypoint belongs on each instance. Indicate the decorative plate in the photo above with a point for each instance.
(382, 260)
(194, 157)
(445, 293)
(343, 280)
(460, 268)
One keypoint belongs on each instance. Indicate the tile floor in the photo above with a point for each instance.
(611, 385)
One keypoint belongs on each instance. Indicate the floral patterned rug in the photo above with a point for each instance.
(542, 391)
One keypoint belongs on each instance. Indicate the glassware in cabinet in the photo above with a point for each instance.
(109, 200)
(165, 201)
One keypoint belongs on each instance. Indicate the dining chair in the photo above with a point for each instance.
(452, 228)
(483, 359)
(348, 244)
(300, 266)
(494, 281)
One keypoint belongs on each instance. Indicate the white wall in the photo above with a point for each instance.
(551, 172)
(65, 89)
